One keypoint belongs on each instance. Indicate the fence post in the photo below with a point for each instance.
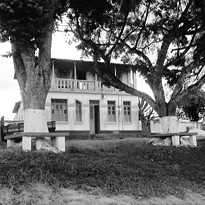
(1, 128)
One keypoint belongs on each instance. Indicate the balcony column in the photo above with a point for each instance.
(135, 79)
(53, 75)
(128, 77)
(53, 71)
(75, 76)
(96, 83)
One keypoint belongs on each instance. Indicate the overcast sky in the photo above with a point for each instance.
(9, 89)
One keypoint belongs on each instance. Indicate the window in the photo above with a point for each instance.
(62, 73)
(127, 111)
(111, 111)
(78, 108)
(59, 110)
(81, 75)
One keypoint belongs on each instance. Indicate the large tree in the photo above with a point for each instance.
(159, 38)
(28, 25)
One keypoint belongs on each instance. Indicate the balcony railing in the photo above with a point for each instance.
(82, 86)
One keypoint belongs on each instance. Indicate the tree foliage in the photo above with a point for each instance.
(27, 20)
(169, 31)
(193, 105)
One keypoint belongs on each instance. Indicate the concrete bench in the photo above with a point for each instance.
(59, 139)
(176, 137)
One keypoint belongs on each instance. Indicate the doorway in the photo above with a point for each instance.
(94, 117)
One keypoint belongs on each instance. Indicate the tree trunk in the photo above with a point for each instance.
(34, 81)
(35, 120)
(169, 124)
(168, 120)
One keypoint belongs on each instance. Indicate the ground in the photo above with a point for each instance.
(114, 172)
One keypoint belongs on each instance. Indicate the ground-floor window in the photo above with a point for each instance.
(127, 111)
(111, 111)
(78, 109)
(59, 110)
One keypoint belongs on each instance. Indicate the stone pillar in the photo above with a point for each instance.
(10, 143)
(175, 140)
(26, 143)
(193, 140)
(60, 143)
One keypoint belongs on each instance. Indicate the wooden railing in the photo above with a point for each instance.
(82, 86)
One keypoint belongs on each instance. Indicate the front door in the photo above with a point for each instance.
(94, 117)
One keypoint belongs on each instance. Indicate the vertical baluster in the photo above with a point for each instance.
(72, 84)
(92, 87)
(86, 85)
(75, 85)
(95, 86)
(69, 84)
(55, 84)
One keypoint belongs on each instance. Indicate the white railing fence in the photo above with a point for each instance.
(82, 85)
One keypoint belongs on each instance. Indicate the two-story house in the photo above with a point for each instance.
(80, 103)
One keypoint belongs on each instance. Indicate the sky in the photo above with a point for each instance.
(9, 88)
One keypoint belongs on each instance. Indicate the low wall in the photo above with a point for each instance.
(155, 126)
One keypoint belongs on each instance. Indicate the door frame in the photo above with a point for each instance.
(94, 116)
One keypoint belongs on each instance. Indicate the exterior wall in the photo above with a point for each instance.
(72, 125)
(84, 98)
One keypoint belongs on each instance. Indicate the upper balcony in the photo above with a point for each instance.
(78, 76)
(71, 85)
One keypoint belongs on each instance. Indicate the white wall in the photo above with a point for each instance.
(155, 127)
(84, 99)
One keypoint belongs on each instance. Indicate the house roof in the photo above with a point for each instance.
(86, 65)
(16, 107)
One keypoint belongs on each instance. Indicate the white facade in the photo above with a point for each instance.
(78, 101)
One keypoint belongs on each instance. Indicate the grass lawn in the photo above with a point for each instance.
(114, 172)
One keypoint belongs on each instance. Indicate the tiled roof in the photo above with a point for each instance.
(86, 65)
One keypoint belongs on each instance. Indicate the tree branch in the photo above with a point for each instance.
(182, 54)
(139, 35)
(179, 85)
(109, 77)
(162, 54)
(119, 36)
(139, 53)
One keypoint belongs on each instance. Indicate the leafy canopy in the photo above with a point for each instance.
(193, 105)
(28, 19)
(160, 38)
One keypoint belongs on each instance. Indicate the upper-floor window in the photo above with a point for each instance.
(81, 75)
(111, 111)
(127, 111)
(78, 109)
(62, 73)
(59, 110)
